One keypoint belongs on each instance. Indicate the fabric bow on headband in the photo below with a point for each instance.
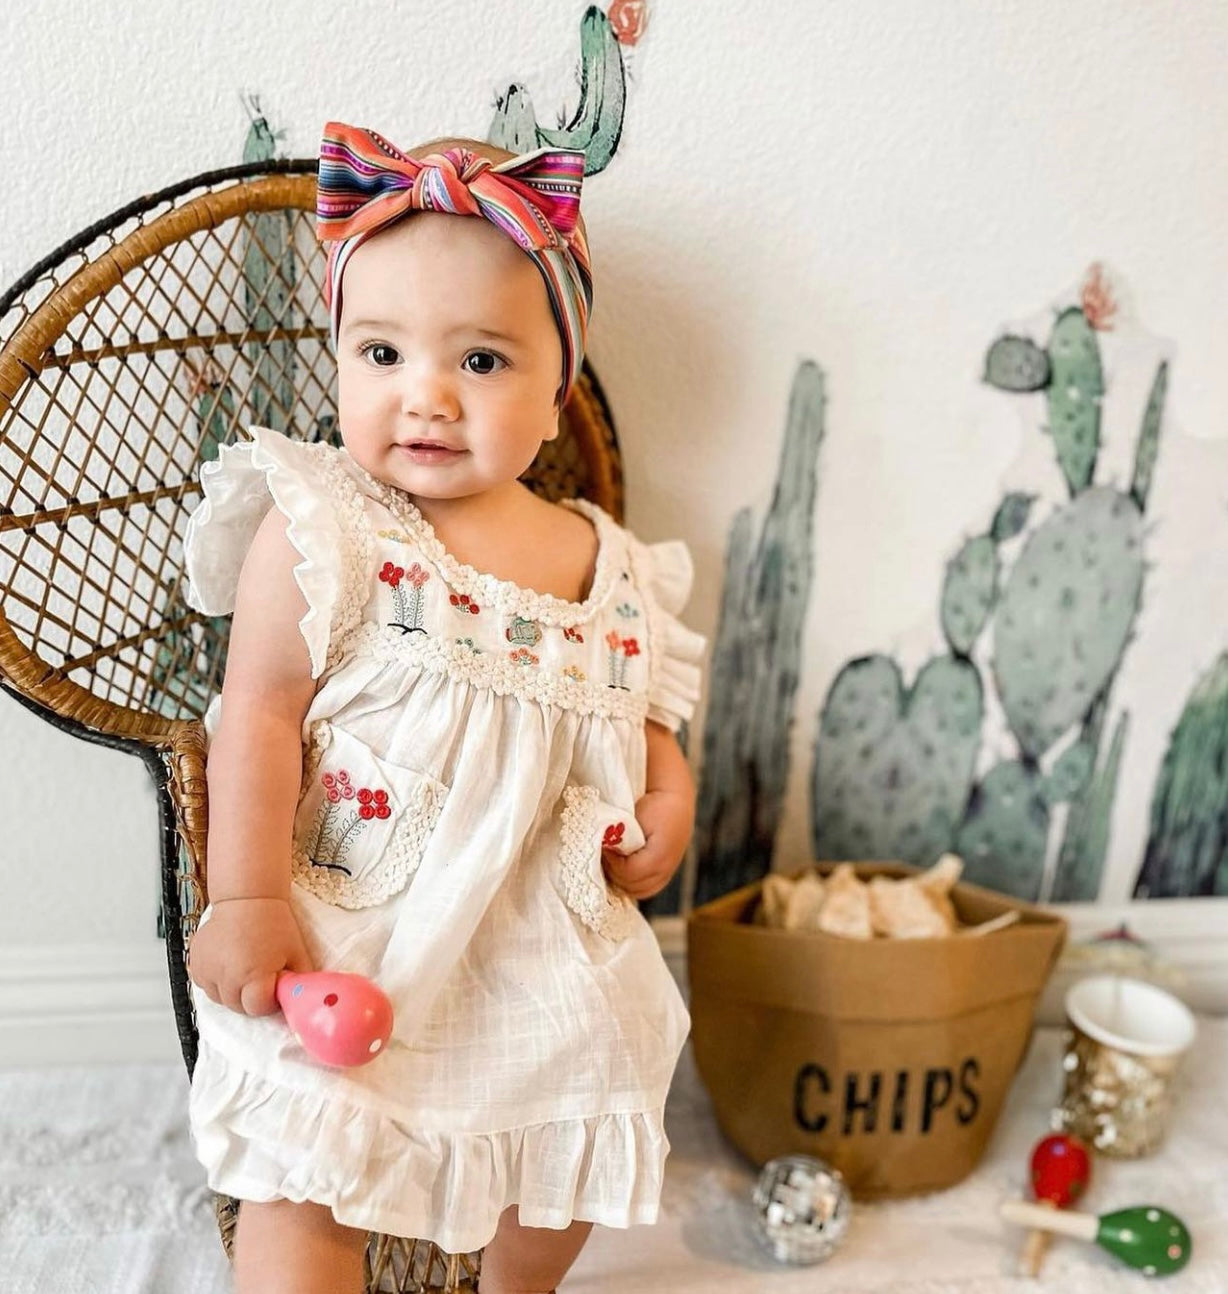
(365, 183)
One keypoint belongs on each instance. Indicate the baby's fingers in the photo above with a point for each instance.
(639, 875)
(259, 996)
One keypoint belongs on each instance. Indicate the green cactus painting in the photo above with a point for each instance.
(268, 277)
(596, 125)
(1056, 619)
(893, 768)
(1065, 614)
(1187, 846)
(756, 661)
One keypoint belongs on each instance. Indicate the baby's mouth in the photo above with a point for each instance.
(431, 450)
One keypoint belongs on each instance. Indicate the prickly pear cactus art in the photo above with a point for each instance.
(1187, 846)
(1044, 624)
(893, 768)
(596, 124)
(1065, 615)
(756, 660)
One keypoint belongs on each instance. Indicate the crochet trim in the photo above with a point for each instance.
(402, 856)
(351, 513)
(504, 595)
(603, 910)
(498, 673)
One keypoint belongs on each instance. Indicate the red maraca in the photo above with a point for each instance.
(1061, 1169)
(340, 1019)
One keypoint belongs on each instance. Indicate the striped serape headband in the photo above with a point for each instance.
(365, 184)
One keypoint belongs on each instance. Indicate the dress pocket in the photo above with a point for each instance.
(588, 825)
(362, 823)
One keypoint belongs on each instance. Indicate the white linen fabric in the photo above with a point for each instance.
(470, 748)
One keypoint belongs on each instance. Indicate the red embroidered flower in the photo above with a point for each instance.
(630, 647)
(372, 804)
(612, 640)
(573, 635)
(391, 575)
(523, 656)
(464, 603)
(417, 576)
(628, 18)
(613, 835)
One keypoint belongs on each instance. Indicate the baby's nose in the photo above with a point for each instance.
(430, 395)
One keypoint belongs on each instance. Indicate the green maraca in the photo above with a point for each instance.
(1153, 1240)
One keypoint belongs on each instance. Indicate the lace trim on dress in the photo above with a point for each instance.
(350, 510)
(603, 910)
(498, 673)
(504, 595)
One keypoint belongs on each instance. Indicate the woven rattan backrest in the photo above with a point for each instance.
(126, 359)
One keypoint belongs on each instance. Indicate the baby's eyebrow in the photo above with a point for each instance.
(491, 333)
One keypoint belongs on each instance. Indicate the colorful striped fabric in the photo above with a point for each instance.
(366, 183)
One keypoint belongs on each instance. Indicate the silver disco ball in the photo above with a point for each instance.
(802, 1209)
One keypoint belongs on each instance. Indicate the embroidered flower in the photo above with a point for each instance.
(372, 804)
(335, 833)
(407, 602)
(463, 603)
(575, 672)
(614, 835)
(627, 611)
(522, 656)
(621, 649)
(572, 634)
(522, 632)
(468, 642)
(392, 575)
(337, 786)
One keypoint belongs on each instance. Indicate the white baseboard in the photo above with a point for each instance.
(85, 1004)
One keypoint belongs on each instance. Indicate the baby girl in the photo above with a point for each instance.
(444, 757)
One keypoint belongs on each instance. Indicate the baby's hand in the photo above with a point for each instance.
(667, 819)
(238, 953)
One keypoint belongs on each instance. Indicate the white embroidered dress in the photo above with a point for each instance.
(470, 747)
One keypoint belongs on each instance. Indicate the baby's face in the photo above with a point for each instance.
(446, 339)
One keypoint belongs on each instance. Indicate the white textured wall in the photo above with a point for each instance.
(878, 186)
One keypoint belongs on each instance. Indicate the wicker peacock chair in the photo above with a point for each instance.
(127, 357)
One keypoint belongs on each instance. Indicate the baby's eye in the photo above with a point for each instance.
(381, 354)
(487, 362)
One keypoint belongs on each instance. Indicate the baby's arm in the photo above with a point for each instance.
(254, 773)
(665, 812)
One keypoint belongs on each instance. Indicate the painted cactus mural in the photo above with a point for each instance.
(597, 122)
(756, 660)
(887, 773)
(268, 278)
(1187, 848)
(893, 766)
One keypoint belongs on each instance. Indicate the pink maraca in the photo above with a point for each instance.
(340, 1019)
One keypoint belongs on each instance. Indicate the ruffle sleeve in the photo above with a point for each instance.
(676, 677)
(246, 480)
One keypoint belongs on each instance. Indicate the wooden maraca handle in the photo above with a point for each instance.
(1034, 1247)
(1083, 1226)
